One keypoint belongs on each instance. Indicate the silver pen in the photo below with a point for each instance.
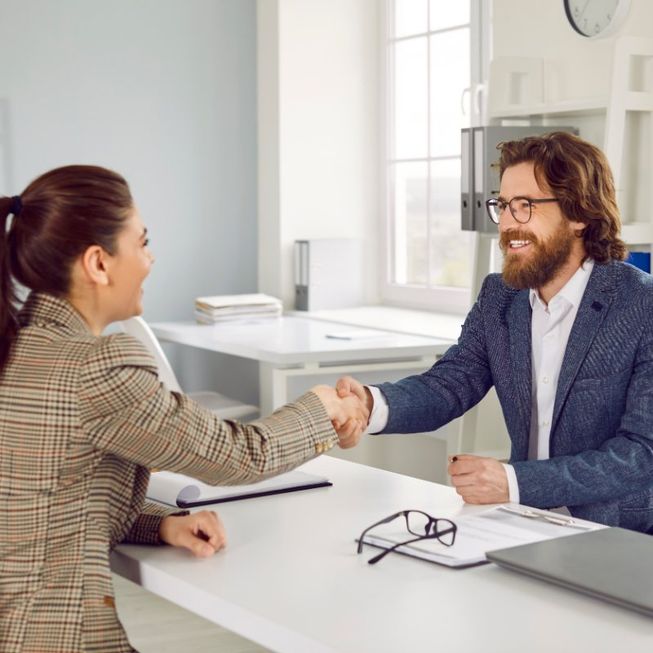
(554, 519)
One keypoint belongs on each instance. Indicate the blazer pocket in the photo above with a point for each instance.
(610, 381)
(638, 502)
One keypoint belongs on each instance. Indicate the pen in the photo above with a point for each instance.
(532, 514)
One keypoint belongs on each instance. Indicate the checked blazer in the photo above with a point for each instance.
(82, 420)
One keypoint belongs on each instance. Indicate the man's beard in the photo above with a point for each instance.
(540, 266)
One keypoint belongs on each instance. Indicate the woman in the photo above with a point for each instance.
(83, 417)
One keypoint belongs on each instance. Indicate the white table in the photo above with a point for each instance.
(288, 347)
(295, 353)
(290, 580)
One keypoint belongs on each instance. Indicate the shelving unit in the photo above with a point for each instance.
(629, 98)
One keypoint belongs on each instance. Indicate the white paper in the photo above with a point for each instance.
(477, 534)
(169, 487)
(230, 301)
(358, 334)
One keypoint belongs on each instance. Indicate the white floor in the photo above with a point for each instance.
(155, 625)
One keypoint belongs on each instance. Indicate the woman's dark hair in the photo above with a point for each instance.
(579, 176)
(55, 219)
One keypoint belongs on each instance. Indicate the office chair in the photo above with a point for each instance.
(224, 407)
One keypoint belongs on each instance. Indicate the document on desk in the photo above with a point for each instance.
(182, 491)
(358, 334)
(497, 528)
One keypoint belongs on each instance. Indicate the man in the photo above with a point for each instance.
(565, 335)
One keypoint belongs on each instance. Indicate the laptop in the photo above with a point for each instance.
(612, 564)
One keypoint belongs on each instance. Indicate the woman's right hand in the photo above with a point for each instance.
(202, 532)
(348, 415)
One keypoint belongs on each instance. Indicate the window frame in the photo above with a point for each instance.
(443, 299)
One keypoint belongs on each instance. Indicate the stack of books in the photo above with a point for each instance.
(219, 308)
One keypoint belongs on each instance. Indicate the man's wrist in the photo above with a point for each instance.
(369, 400)
(513, 485)
(378, 412)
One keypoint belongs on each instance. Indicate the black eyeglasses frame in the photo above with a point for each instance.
(495, 201)
(432, 532)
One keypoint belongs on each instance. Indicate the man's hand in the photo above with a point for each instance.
(479, 480)
(202, 533)
(347, 386)
(348, 415)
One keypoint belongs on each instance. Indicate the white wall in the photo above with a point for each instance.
(164, 92)
(319, 108)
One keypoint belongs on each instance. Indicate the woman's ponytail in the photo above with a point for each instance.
(55, 219)
(8, 324)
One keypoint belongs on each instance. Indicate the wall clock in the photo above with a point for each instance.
(596, 18)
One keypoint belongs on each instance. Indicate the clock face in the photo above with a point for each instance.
(595, 18)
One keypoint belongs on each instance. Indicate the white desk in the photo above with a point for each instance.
(290, 580)
(296, 346)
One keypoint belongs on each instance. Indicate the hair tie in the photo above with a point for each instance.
(16, 205)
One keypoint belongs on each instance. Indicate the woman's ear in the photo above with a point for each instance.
(95, 265)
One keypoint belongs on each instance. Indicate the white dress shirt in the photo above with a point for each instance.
(550, 328)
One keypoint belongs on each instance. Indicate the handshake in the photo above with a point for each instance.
(348, 405)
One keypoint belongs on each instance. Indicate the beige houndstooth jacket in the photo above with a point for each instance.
(82, 419)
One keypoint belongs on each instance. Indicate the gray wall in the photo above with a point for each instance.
(164, 92)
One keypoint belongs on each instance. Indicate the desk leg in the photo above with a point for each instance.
(273, 384)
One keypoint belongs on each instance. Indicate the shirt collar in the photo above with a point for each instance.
(573, 290)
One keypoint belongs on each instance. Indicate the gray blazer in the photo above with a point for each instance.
(601, 445)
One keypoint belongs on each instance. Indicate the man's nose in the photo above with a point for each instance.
(507, 220)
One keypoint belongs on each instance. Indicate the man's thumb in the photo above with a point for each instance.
(343, 387)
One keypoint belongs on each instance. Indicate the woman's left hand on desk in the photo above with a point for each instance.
(202, 533)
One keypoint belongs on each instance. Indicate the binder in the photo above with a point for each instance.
(328, 273)
(466, 181)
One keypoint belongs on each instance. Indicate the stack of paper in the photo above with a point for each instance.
(209, 310)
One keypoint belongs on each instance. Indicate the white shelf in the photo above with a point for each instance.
(559, 109)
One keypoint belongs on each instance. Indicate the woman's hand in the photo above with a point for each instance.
(202, 533)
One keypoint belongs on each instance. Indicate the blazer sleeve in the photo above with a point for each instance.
(125, 410)
(458, 381)
(620, 467)
(145, 530)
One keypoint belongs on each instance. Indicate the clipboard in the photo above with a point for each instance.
(181, 491)
(501, 527)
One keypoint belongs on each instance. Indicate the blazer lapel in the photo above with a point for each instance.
(519, 329)
(591, 313)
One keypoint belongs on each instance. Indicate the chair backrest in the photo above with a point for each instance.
(138, 327)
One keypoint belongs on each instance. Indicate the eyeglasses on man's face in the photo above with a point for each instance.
(521, 208)
(419, 524)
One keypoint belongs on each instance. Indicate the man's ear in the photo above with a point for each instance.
(95, 263)
(577, 227)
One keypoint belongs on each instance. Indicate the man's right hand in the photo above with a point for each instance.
(347, 386)
(348, 414)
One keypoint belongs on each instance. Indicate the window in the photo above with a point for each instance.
(433, 66)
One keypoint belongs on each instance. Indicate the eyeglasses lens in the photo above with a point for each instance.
(418, 523)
